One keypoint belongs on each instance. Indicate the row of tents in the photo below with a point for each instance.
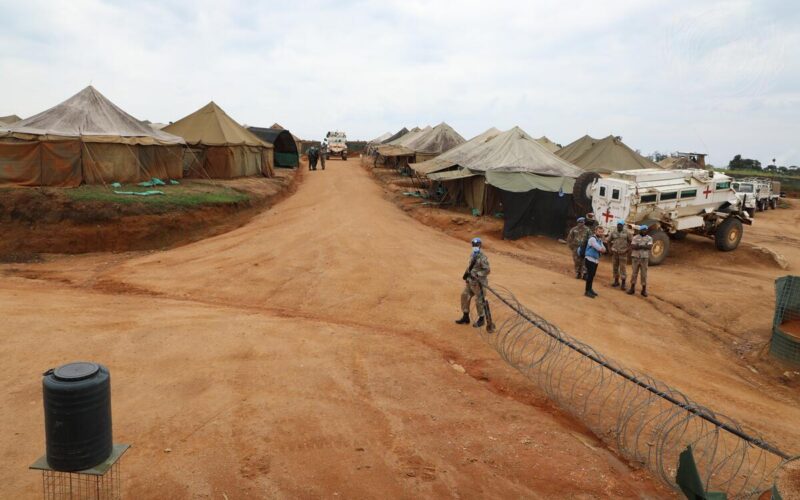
(531, 181)
(88, 139)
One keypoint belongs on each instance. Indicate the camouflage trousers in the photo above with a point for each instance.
(619, 265)
(578, 261)
(472, 289)
(639, 265)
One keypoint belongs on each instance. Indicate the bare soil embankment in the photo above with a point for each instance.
(95, 219)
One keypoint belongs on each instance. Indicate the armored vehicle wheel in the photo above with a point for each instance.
(751, 212)
(728, 234)
(678, 235)
(660, 247)
(773, 203)
(344, 156)
(581, 194)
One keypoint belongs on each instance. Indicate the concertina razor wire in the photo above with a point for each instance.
(647, 421)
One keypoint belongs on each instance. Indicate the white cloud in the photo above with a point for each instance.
(715, 76)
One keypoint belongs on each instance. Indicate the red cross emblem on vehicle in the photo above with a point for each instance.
(707, 191)
(608, 215)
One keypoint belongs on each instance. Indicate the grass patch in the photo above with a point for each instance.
(182, 195)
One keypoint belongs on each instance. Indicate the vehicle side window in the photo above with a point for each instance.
(689, 193)
(603, 191)
(723, 185)
(669, 196)
(648, 198)
(615, 194)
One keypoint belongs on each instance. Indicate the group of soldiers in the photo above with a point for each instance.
(621, 244)
(317, 154)
(619, 240)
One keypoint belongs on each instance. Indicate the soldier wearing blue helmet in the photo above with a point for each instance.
(640, 258)
(475, 278)
(619, 239)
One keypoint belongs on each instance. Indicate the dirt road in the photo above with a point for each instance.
(312, 352)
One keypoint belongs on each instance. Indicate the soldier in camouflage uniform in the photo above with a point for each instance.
(619, 239)
(640, 258)
(476, 277)
(577, 235)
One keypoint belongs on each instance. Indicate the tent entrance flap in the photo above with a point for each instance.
(535, 212)
(285, 159)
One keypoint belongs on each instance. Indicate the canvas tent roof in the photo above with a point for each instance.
(90, 117)
(278, 126)
(399, 146)
(8, 120)
(611, 154)
(516, 162)
(548, 144)
(400, 133)
(435, 140)
(380, 138)
(211, 126)
(451, 158)
(576, 148)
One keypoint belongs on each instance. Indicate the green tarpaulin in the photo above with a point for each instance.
(520, 182)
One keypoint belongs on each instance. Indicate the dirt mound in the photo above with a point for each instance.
(53, 220)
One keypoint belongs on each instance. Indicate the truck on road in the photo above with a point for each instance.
(335, 144)
(757, 194)
(672, 203)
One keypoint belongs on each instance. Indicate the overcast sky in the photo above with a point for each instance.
(715, 77)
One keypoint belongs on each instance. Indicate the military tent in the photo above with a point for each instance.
(611, 154)
(532, 183)
(400, 133)
(219, 147)
(380, 138)
(451, 159)
(8, 120)
(420, 146)
(285, 148)
(297, 141)
(548, 144)
(576, 148)
(86, 139)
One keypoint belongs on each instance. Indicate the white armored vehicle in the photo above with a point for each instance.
(757, 193)
(336, 144)
(671, 203)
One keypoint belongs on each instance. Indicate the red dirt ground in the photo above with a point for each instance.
(312, 352)
(45, 220)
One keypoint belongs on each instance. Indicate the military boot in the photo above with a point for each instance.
(622, 286)
(615, 284)
(644, 291)
(480, 322)
(632, 289)
(464, 319)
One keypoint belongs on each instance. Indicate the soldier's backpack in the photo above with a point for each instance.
(582, 247)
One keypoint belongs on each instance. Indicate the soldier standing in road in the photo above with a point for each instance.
(476, 277)
(619, 239)
(575, 238)
(313, 155)
(323, 153)
(640, 258)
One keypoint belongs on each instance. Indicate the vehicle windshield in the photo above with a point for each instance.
(744, 188)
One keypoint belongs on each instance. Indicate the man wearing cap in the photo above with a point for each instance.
(640, 258)
(619, 239)
(575, 238)
(475, 277)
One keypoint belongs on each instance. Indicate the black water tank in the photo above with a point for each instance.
(77, 416)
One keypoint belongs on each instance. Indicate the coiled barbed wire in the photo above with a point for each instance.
(647, 421)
